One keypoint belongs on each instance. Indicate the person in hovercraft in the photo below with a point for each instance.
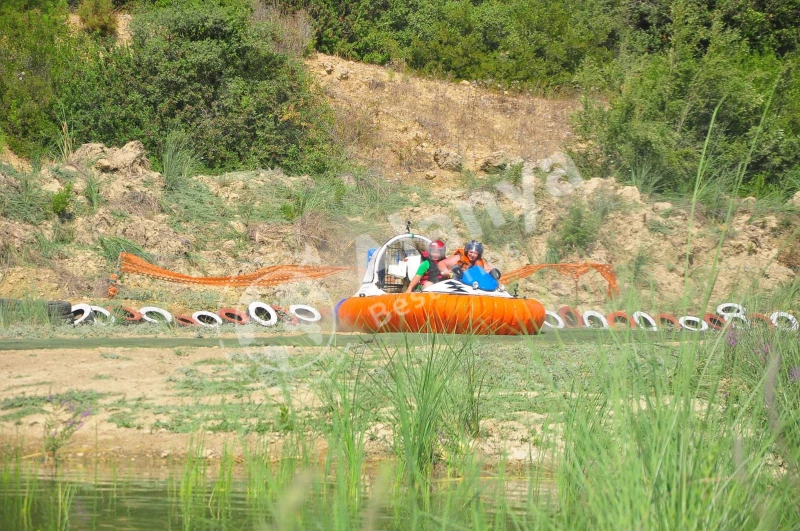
(430, 271)
(470, 255)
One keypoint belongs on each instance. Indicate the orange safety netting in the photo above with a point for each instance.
(576, 271)
(267, 276)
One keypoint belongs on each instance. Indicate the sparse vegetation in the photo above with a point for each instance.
(111, 246)
(98, 17)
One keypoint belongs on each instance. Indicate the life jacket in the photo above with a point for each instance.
(433, 274)
(463, 261)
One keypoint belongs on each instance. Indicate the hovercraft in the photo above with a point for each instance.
(475, 304)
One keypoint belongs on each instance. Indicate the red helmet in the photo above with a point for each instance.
(437, 250)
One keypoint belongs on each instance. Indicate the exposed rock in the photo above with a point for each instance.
(14, 235)
(497, 161)
(447, 159)
(156, 236)
(795, 201)
(563, 176)
(130, 159)
(661, 207)
(328, 68)
(344, 74)
(630, 193)
(747, 203)
(545, 164)
(88, 154)
(430, 175)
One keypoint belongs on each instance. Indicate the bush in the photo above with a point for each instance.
(98, 17)
(23, 199)
(207, 70)
(61, 202)
(659, 99)
(35, 51)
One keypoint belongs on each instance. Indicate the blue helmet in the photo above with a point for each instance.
(474, 245)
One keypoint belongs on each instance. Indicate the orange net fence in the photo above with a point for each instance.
(267, 276)
(576, 271)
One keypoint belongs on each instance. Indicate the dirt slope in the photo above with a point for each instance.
(458, 146)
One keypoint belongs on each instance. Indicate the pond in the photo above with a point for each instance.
(230, 496)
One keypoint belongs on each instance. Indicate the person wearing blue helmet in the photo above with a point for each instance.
(470, 255)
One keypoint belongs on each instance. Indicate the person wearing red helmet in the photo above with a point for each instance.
(430, 270)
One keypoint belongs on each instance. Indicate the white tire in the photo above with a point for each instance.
(155, 309)
(591, 314)
(295, 310)
(734, 316)
(559, 321)
(651, 323)
(686, 319)
(109, 319)
(202, 316)
(730, 308)
(775, 317)
(86, 313)
(258, 305)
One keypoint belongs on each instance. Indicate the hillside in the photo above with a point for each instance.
(458, 160)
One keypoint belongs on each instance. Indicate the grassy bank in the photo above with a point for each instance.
(646, 433)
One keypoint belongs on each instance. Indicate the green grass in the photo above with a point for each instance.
(111, 246)
(29, 312)
(641, 432)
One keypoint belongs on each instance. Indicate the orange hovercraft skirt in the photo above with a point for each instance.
(440, 312)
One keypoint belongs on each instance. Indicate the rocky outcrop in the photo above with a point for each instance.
(131, 159)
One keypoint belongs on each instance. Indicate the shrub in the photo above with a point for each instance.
(177, 161)
(61, 202)
(35, 51)
(24, 199)
(205, 69)
(579, 229)
(98, 17)
(652, 131)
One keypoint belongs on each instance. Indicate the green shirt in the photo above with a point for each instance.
(423, 267)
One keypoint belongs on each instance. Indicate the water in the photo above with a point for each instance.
(196, 500)
(122, 504)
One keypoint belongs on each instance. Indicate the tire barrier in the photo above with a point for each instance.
(695, 322)
(714, 321)
(733, 318)
(651, 325)
(730, 308)
(60, 310)
(207, 319)
(726, 314)
(668, 321)
(761, 318)
(572, 319)
(616, 318)
(185, 320)
(107, 317)
(234, 316)
(554, 316)
(311, 314)
(285, 316)
(165, 315)
(257, 309)
(591, 315)
(777, 316)
(81, 313)
(129, 315)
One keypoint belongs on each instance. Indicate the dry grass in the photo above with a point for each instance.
(293, 31)
(398, 121)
